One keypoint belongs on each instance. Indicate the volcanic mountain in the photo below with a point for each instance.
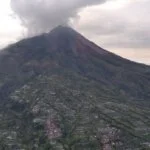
(61, 91)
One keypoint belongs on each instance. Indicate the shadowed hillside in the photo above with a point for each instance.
(59, 91)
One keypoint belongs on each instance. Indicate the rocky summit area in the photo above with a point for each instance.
(60, 91)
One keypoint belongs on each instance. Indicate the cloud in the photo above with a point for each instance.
(124, 26)
(42, 15)
(114, 23)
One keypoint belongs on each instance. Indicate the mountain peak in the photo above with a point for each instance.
(62, 28)
(58, 85)
(63, 31)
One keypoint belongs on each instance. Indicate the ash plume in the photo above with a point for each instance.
(39, 16)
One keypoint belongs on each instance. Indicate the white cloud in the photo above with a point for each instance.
(42, 15)
(10, 29)
(123, 26)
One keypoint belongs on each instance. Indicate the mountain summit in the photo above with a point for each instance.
(66, 36)
(65, 48)
(61, 91)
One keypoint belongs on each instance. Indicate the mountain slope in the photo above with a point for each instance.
(61, 91)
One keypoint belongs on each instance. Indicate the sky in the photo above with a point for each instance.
(120, 26)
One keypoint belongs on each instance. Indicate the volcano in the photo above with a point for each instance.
(61, 91)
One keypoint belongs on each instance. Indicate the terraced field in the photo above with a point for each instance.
(73, 113)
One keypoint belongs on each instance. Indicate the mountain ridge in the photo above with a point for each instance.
(64, 47)
(64, 28)
(60, 91)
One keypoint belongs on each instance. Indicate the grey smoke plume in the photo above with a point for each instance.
(42, 15)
